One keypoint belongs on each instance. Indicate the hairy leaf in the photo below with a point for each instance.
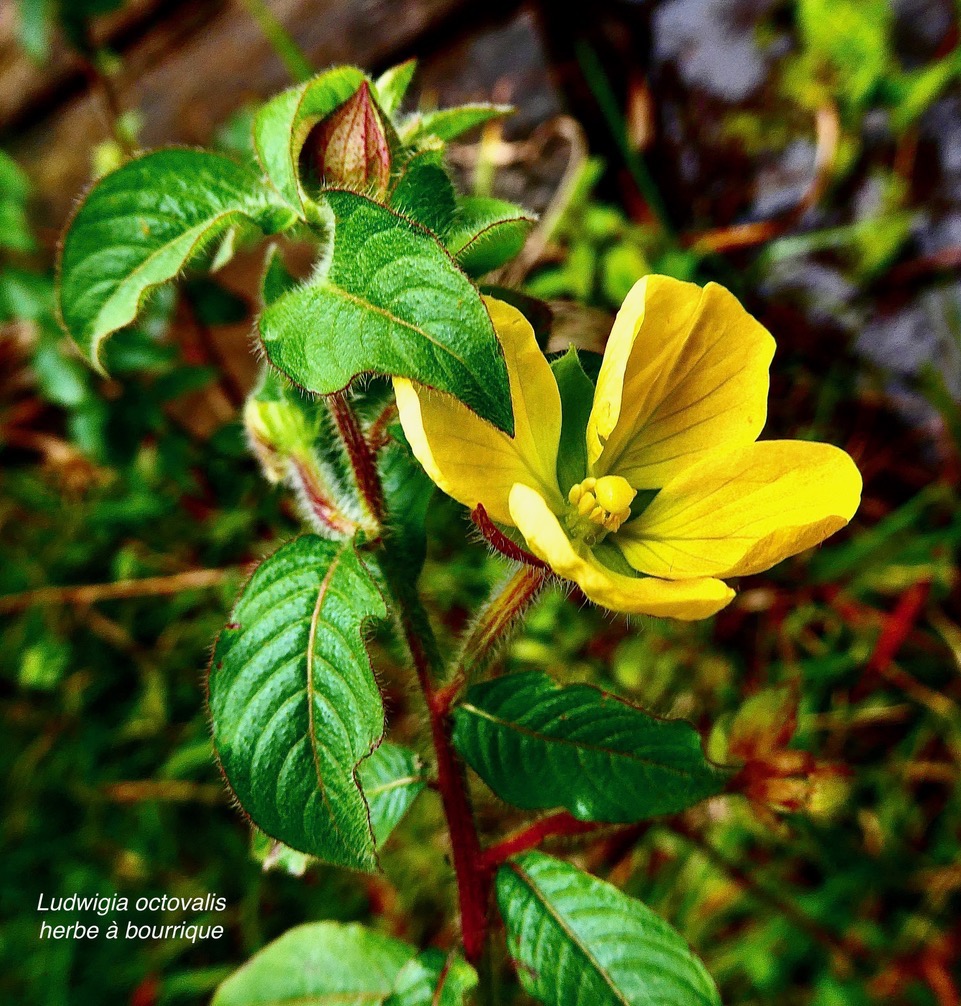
(140, 225)
(538, 745)
(276, 278)
(294, 705)
(430, 980)
(282, 124)
(391, 778)
(423, 192)
(578, 941)
(486, 233)
(392, 84)
(390, 301)
(449, 123)
(320, 964)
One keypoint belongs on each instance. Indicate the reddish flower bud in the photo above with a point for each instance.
(351, 148)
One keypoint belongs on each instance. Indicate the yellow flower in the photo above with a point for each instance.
(671, 493)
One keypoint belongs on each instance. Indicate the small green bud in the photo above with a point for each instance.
(278, 425)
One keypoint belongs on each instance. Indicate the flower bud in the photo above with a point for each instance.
(283, 431)
(351, 148)
(278, 426)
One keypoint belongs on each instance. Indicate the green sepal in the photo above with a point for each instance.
(447, 124)
(392, 84)
(577, 399)
(282, 125)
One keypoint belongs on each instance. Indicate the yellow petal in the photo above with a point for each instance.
(684, 599)
(467, 457)
(742, 511)
(685, 373)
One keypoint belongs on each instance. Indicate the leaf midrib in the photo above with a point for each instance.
(311, 645)
(549, 739)
(528, 881)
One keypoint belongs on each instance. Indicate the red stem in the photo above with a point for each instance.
(897, 628)
(557, 825)
(472, 884)
(473, 889)
(362, 459)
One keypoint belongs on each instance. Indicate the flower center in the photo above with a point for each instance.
(599, 506)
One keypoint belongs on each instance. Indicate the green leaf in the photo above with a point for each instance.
(449, 123)
(423, 192)
(319, 964)
(392, 84)
(408, 491)
(34, 24)
(390, 301)
(578, 941)
(487, 233)
(294, 705)
(854, 38)
(391, 778)
(140, 225)
(274, 855)
(577, 398)
(281, 126)
(15, 232)
(538, 745)
(429, 980)
(276, 278)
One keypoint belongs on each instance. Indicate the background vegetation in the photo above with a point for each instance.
(808, 156)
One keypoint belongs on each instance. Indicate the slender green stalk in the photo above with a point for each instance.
(607, 101)
(280, 39)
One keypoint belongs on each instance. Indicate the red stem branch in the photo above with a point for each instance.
(558, 825)
(897, 627)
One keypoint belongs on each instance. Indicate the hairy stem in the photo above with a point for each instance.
(472, 883)
(472, 886)
(494, 622)
(362, 460)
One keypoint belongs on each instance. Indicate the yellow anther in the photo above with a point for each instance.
(605, 502)
(614, 493)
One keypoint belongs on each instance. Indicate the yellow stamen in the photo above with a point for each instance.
(605, 502)
(614, 493)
